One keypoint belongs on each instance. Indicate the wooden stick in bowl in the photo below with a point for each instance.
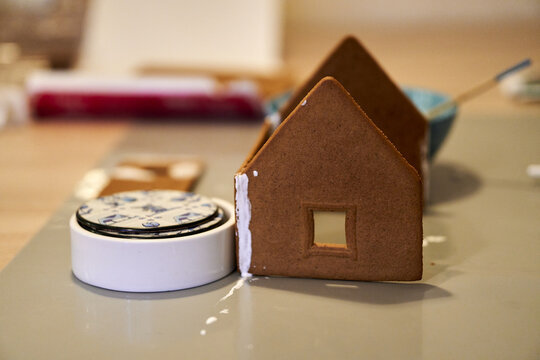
(477, 90)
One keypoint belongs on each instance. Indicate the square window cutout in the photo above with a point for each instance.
(329, 228)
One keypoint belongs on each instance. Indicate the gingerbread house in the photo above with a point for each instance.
(350, 142)
(329, 155)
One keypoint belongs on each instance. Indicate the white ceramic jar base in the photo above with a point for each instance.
(153, 265)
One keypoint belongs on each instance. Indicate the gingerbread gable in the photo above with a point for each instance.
(327, 155)
(385, 104)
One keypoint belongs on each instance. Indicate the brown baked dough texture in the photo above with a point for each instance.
(329, 155)
(356, 69)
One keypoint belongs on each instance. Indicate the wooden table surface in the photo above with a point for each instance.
(41, 162)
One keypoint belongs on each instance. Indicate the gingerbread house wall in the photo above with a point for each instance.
(329, 155)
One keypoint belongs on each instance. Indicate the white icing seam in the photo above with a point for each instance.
(274, 120)
(243, 217)
(436, 239)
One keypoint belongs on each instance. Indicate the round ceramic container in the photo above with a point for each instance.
(440, 125)
(149, 241)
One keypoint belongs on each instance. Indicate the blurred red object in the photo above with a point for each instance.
(71, 95)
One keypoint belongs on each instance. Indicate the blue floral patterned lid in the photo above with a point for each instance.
(149, 214)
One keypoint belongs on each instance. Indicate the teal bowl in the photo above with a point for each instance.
(440, 125)
(423, 99)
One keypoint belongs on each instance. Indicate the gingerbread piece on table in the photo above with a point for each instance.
(329, 156)
(151, 173)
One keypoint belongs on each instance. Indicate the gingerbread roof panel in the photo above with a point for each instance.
(385, 104)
